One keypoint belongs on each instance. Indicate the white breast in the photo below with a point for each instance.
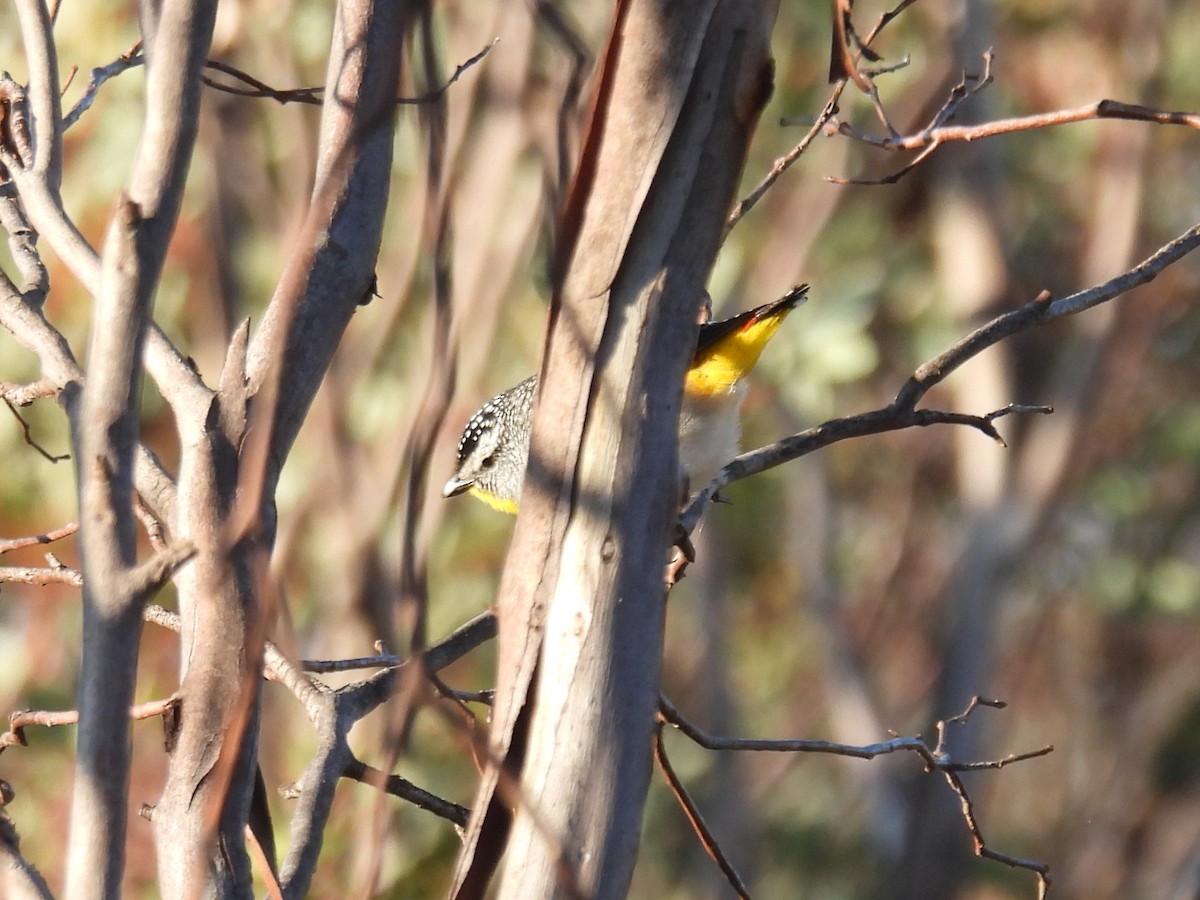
(709, 432)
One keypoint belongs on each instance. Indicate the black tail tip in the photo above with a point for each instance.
(788, 301)
(795, 296)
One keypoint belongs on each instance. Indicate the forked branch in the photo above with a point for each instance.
(935, 758)
(903, 413)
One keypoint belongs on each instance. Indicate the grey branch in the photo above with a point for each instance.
(902, 412)
(935, 758)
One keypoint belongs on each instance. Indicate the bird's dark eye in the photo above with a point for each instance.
(489, 461)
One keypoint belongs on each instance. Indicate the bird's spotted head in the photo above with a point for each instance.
(493, 449)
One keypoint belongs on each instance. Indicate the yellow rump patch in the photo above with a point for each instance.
(716, 369)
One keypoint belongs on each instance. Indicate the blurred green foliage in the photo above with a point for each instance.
(830, 613)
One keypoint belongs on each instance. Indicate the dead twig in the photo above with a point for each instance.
(25, 430)
(838, 74)
(56, 534)
(938, 132)
(707, 840)
(314, 96)
(26, 394)
(40, 576)
(406, 790)
(935, 758)
(902, 412)
(46, 718)
(130, 59)
(134, 57)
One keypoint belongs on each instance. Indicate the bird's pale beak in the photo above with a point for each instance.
(456, 485)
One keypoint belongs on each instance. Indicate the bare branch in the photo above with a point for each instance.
(130, 59)
(153, 527)
(707, 840)
(45, 110)
(558, 24)
(40, 577)
(1041, 869)
(436, 94)
(156, 571)
(9, 544)
(26, 394)
(843, 56)
(106, 436)
(935, 759)
(314, 96)
(325, 666)
(785, 162)
(938, 132)
(57, 718)
(406, 790)
(333, 714)
(902, 412)
(46, 454)
(22, 244)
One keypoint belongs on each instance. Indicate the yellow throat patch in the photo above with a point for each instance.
(500, 503)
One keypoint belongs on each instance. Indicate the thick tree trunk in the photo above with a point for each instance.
(581, 604)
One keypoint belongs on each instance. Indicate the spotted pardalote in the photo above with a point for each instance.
(494, 446)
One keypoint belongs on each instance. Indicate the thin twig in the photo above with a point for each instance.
(928, 139)
(935, 758)
(902, 412)
(154, 528)
(314, 95)
(130, 59)
(982, 850)
(325, 666)
(265, 871)
(707, 840)
(25, 430)
(49, 537)
(134, 57)
(45, 718)
(784, 162)
(406, 790)
(818, 127)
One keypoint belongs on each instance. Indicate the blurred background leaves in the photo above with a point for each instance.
(873, 586)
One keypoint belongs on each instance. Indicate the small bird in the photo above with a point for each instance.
(494, 446)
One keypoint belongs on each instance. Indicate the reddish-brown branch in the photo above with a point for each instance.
(841, 76)
(980, 847)
(928, 139)
(707, 840)
(29, 436)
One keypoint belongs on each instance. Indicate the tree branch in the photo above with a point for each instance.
(902, 412)
(106, 438)
(7, 545)
(406, 790)
(707, 839)
(935, 758)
